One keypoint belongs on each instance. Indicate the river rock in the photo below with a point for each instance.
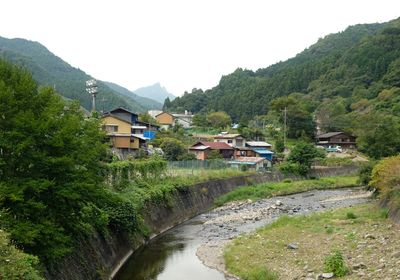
(359, 266)
(369, 236)
(278, 203)
(293, 246)
(327, 275)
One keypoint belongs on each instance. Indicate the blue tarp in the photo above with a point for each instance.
(149, 134)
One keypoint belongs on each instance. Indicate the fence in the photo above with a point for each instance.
(192, 167)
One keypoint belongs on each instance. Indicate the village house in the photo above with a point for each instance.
(342, 139)
(168, 120)
(255, 149)
(202, 149)
(234, 140)
(126, 133)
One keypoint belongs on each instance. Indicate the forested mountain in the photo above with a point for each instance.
(148, 103)
(48, 69)
(155, 92)
(351, 67)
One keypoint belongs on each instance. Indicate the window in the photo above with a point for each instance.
(111, 128)
(229, 141)
(132, 140)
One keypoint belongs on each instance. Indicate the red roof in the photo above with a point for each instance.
(215, 145)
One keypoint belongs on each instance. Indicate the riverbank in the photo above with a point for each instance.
(229, 221)
(298, 247)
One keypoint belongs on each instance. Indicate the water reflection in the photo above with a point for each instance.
(171, 256)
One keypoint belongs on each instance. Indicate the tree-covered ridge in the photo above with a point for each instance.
(50, 70)
(357, 63)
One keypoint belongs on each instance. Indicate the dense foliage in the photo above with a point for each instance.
(51, 170)
(14, 264)
(386, 178)
(347, 81)
(301, 158)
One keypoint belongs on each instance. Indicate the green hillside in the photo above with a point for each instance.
(361, 58)
(48, 69)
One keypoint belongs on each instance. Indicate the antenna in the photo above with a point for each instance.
(91, 88)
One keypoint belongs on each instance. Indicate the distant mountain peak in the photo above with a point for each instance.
(156, 92)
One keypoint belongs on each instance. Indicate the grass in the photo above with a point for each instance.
(317, 235)
(286, 187)
(160, 190)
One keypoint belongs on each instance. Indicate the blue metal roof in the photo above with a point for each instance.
(263, 151)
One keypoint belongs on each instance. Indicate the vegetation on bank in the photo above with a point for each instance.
(327, 242)
(286, 187)
(15, 264)
(386, 178)
(52, 171)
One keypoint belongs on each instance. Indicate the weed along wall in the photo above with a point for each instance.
(101, 257)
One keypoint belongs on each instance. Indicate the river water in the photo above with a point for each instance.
(172, 255)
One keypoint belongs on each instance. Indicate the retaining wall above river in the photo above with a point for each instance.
(100, 257)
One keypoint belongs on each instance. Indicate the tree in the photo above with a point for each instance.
(200, 120)
(147, 118)
(378, 135)
(51, 170)
(301, 157)
(298, 120)
(167, 104)
(172, 148)
(219, 119)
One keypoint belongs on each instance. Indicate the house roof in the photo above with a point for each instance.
(200, 148)
(258, 144)
(227, 136)
(163, 113)
(121, 109)
(146, 124)
(263, 151)
(329, 134)
(213, 145)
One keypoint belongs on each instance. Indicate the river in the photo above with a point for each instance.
(173, 255)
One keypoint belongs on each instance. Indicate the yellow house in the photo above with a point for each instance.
(120, 133)
(165, 119)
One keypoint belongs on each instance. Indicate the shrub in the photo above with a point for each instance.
(351, 216)
(335, 263)
(15, 264)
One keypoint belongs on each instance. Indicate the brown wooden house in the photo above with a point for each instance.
(342, 139)
(202, 149)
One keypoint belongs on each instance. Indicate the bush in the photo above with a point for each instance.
(351, 216)
(15, 264)
(335, 263)
(365, 173)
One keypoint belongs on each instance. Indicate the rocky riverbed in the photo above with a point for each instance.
(227, 222)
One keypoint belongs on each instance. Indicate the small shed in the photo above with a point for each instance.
(256, 163)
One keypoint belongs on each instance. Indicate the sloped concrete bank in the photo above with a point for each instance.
(101, 257)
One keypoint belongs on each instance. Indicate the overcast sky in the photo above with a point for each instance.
(182, 44)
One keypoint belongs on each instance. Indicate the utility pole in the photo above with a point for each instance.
(284, 127)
